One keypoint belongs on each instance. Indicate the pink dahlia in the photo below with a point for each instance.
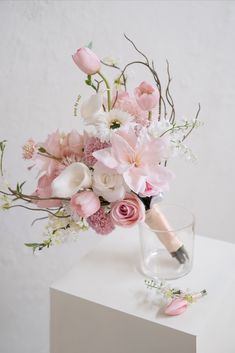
(91, 145)
(101, 222)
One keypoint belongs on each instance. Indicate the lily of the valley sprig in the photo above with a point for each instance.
(177, 300)
(107, 175)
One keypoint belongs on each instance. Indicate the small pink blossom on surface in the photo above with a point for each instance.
(91, 145)
(44, 190)
(85, 203)
(101, 222)
(127, 212)
(29, 149)
(87, 61)
(176, 307)
(146, 96)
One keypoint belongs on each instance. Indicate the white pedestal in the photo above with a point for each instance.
(102, 305)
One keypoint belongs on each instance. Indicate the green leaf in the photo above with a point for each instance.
(42, 150)
(22, 184)
(90, 45)
(88, 80)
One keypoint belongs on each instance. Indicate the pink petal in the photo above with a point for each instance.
(176, 307)
(122, 151)
(134, 179)
(106, 158)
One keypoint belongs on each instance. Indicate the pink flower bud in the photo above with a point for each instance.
(146, 96)
(87, 61)
(29, 149)
(85, 203)
(176, 307)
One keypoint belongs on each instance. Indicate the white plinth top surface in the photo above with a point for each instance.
(109, 275)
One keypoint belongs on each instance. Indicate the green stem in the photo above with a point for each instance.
(2, 148)
(149, 115)
(175, 127)
(1, 162)
(108, 89)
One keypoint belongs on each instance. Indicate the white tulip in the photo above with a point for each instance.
(107, 183)
(75, 177)
(91, 107)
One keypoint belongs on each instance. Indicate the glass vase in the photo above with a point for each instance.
(167, 242)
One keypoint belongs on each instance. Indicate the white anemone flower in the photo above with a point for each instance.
(75, 177)
(110, 121)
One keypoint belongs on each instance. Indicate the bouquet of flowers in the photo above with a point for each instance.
(115, 171)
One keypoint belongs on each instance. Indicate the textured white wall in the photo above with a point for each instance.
(39, 84)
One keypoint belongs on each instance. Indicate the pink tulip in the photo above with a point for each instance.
(85, 203)
(87, 61)
(176, 307)
(127, 212)
(146, 96)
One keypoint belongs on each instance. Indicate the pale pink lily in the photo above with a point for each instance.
(137, 158)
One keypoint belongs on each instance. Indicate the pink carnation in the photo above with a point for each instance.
(91, 145)
(101, 222)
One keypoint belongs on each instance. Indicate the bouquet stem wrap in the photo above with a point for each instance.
(156, 220)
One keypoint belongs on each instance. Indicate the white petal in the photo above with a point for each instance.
(73, 178)
(91, 106)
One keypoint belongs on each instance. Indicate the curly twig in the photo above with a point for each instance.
(140, 52)
(168, 95)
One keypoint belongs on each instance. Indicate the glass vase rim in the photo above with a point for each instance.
(176, 229)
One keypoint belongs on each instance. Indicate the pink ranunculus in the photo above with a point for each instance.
(176, 307)
(146, 96)
(87, 61)
(85, 203)
(44, 191)
(127, 212)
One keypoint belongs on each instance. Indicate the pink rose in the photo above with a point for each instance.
(85, 203)
(146, 96)
(127, 212)
(87, 61)
(176, 307)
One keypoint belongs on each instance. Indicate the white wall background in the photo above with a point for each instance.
(39, 84)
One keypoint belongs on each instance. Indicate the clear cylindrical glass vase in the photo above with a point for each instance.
(167, 241)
